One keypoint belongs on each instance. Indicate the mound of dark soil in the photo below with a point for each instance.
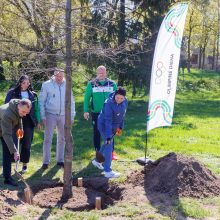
(177, 175)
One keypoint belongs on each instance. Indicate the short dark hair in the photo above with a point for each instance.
(121, 91)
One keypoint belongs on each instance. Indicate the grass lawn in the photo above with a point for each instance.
(195, 132)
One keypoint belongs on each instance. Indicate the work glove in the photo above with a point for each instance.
(19, 133)
(108, 141)
(118, 132)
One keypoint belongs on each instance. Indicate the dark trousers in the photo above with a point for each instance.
(96, 133)
(25, 142)
(7, 158)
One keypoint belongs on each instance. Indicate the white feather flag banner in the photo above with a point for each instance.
(165, 68)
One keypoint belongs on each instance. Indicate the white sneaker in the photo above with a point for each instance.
(98, 165)
(111, 174)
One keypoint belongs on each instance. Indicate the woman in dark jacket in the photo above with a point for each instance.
(111, 122)
(23, 89)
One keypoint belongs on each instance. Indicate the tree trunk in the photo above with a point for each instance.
(67, 177)
(134, 90)
(189, 43)
(200, 57)
(218, 35)
(217, 54)
(189, 53)
(214, 54)
(13, 73)
(121, 41)
(203, 59)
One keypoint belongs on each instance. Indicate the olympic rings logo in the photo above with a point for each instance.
(159, 72)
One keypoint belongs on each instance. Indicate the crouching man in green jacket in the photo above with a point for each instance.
(10, 118)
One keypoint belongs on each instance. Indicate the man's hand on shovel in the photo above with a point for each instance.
(16, 156)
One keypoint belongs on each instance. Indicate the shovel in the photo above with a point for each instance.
(28, 195)
(99, 156)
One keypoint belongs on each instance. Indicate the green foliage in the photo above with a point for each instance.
(5, 86)
(198, 81)
(199, 85)
(192, 208)
(201, 31)
(102, 34)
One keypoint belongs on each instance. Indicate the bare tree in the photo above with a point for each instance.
(67, 177)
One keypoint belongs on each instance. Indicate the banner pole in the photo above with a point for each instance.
(145, 150)
(145, 160)
(164, 72)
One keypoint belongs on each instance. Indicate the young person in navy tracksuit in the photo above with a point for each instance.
(110, 122)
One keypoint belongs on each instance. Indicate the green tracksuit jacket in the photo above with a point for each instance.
(98, 91)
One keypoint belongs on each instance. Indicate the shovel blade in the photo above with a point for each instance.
(144, 160)
(99, 157)
(28, 195)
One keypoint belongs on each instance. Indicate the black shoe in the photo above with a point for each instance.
(61, 164)
(10, 181)
(24, 169)
(44, 166)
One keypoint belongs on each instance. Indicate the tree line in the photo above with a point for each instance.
(120, 34)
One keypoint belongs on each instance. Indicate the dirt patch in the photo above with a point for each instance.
(8, 200)
(48, 194)
(83, 197)
(167, 178)
(5, 209)
(177, 175)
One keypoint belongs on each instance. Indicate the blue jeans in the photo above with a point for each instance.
(106, 150)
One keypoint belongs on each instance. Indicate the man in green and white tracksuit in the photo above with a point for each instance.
(98, 89)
